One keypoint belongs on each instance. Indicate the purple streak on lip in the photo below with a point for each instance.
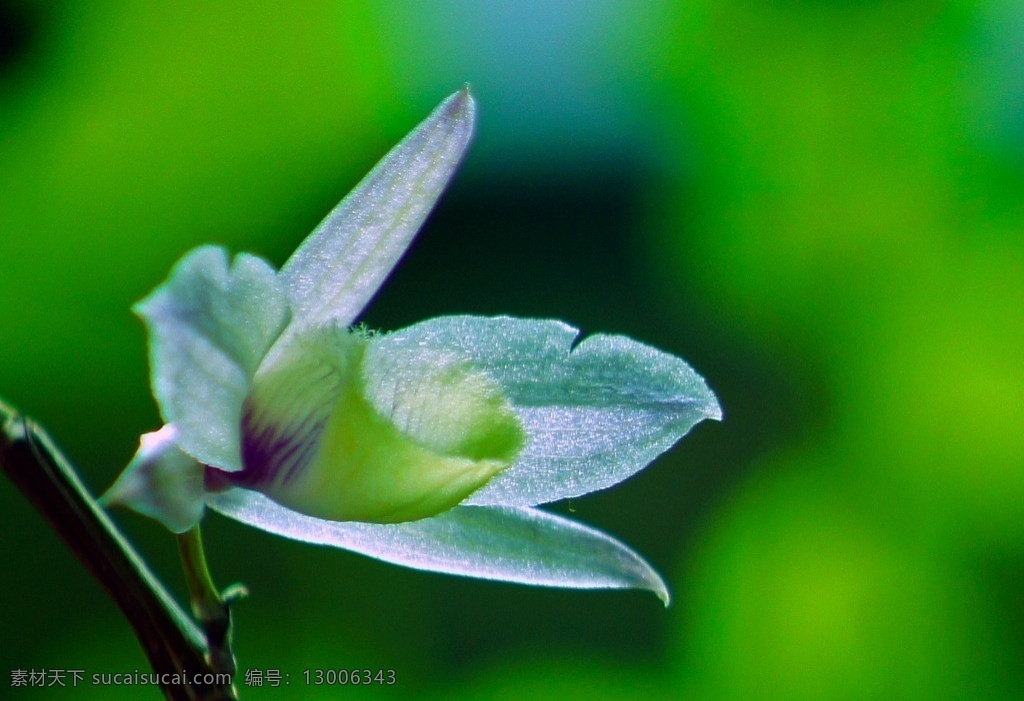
(301, 457)
(269, 457)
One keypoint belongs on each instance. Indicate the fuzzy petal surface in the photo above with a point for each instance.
(340, 266)
(522, 545)
(594, 413)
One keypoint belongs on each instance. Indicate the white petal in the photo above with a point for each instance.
(521, 545)
(210, 326)
(339, 267)
(594, 415)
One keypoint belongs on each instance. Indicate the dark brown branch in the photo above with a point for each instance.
(171, 641)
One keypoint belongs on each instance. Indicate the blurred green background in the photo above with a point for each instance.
(820, 205)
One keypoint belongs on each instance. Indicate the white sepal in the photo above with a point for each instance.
(161, 482)
(522, 545)
(339, 267)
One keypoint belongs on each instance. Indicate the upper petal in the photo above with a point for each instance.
(339, 267)
(594, 414)
(210, 326)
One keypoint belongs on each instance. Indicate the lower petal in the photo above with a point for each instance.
(522, 545)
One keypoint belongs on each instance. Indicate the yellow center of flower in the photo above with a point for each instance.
(411, 434)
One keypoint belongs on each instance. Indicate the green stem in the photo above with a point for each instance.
(206, 600)
(212, 608)
(171, 641)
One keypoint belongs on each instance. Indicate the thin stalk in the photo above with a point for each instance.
(210, 606)
(206, 600)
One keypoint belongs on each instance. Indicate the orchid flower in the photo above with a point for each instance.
(428, 447)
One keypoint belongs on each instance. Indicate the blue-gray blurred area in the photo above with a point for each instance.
(817, 204)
